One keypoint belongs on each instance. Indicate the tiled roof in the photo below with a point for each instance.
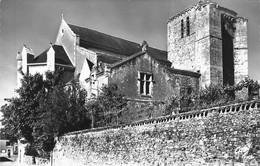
(94, 39)
(107, 59)
(42, 58)
(127, 59)
(61, 56)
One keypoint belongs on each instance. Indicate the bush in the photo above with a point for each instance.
(210, 96)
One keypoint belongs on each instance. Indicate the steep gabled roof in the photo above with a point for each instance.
(107, 59)
(42, 58)
(94, 39)
(61, 56)
(127, 59)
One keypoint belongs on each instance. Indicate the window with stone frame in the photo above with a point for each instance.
(182, 29)
(145, 83)
(188, 25)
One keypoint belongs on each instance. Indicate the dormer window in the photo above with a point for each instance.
(188, 26)
(182, 29)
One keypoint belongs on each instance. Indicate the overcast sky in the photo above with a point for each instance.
(35, 23)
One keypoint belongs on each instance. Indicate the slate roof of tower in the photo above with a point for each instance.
(93, 39)
(61, 56)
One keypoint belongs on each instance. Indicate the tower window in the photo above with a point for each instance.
(182, 29)
(188, 26)
(145, 83)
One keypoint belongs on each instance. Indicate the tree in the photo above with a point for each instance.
(10, 130)
(106, 108)
(46, 108)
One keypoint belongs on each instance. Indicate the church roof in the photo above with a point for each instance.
(42, 58)
(107, 59)
(94, 39)
(61, 56)
(127, 59)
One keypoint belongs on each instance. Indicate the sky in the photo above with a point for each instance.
(36, 22)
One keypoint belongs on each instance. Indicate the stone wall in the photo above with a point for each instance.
(165, 82)
(216, 45)
(181, 50)
(201, 50)
(240, 54)
(195, 138)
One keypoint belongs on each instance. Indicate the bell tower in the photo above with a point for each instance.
(211, 40)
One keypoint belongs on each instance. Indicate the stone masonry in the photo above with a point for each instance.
(209, 39)
(176, 140)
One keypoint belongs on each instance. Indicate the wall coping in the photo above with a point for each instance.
(199, 114)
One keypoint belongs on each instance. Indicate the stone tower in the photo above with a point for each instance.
(209, 39)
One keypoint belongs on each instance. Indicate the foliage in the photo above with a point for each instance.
(9, 121)
(210, 96)
(45, 108)
(30, 150)
(107, 108)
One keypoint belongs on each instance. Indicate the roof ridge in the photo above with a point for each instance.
(113, 37)
(104, 33)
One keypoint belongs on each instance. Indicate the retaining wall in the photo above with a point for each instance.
(193, 138)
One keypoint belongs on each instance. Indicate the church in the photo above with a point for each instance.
(206, 44)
